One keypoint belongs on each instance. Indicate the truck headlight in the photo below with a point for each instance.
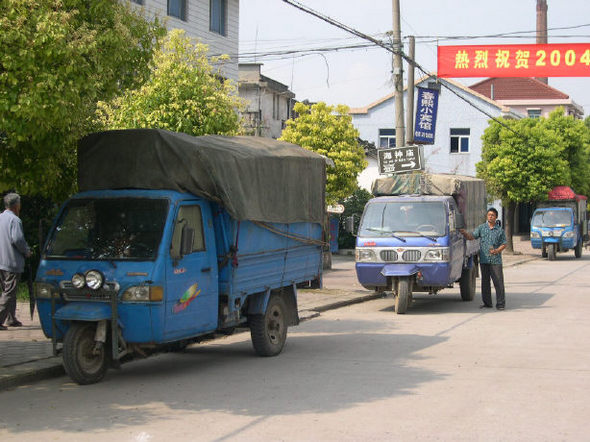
(143, 293)
(440, 254)
(535, 235)
(569, 234)
(365, 255)
(94, 279)
(44, 291)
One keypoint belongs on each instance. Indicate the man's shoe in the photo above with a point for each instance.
(485, 306)
(15, 323)
(500, 307)
(3, 328)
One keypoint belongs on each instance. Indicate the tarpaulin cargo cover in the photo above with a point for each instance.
(469, 192)
(254, 178)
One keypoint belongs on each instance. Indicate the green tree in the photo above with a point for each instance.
(59, 58)
(576, 148)
(184, 93)
(354, 205)
(521, 161)
(328, 130)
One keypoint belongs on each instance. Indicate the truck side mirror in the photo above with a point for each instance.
(186, 240)
(349, 224)
(459, 221)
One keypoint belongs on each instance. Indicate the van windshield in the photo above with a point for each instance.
(420, 218)
(109, 228)
(552, 218)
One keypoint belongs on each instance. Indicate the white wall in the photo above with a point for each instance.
(197, 26)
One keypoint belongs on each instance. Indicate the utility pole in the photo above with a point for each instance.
(398, 78)
(410, 103)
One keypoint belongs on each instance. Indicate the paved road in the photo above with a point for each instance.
(445, 371)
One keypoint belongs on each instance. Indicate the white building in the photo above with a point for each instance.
(213, 22)
(459, 127)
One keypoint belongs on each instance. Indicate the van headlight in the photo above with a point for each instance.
(535, 234)
(44, 291)
(365, 255)
(143, 293)
(569, 234)
(440, 254)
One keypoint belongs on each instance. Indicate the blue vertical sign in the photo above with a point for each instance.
(426, 108)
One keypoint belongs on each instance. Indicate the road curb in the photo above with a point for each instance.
(34, 371)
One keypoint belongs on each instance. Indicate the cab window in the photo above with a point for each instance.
(189, 216)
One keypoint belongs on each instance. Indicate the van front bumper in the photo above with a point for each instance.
(374, 275)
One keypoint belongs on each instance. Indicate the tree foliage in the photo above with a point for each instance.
(328, 131)
(59, 58)
(184, 93)
(354, 206)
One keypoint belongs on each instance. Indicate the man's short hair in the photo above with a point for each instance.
(11, 200)
(491, 209)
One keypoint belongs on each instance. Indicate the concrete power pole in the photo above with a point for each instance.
(398, 78)
(410, 98)
(542, 28)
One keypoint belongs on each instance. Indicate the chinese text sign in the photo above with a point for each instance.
(426, 108)
(529, 60)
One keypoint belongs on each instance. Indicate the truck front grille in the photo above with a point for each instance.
(411, 255)
(70, 293)
(389, 255)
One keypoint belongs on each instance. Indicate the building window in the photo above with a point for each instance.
(534, 113)
(386, 138)
(217, 14)
(275, 106)
(460, 140)
(177, 8)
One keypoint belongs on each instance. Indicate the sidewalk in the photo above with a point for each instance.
(26, 354)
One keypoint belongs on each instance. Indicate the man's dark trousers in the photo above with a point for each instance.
(8, 284)
(493, 271)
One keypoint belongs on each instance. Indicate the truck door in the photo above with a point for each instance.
(457, 245)
(191, 280)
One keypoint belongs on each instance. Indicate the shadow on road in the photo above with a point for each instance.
(326, 366)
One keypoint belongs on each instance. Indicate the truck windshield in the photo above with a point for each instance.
(420, 218)
(552, 218)
(109, 228)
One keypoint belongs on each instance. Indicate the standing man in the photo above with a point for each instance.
(13, 251)
(492, 243)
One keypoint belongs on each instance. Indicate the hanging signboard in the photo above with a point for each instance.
(527, 60)
(426, 109)
(400, 159)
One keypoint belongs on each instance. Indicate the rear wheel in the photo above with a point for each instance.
(269, 331)
(551, 251)
(404, 294)
(84, 361)
(467, 284)
(578, 249)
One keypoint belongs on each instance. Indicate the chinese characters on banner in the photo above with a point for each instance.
(529, 60)
(426, 108)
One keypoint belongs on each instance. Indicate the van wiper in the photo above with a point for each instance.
(382, 230)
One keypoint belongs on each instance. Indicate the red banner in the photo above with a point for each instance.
(531, 60)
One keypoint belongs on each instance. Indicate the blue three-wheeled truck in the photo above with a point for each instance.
(175, 238)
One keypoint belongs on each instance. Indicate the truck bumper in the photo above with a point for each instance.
(372, 275)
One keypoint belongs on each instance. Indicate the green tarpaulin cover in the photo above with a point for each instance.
(254, 178)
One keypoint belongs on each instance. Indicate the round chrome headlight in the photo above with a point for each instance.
(78, 281)
(94, 279)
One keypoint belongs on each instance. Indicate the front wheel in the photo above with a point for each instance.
(467, 283)
(578, 249)
(544, 252)
(551, 251)
(404, 294)
(84, 361)
(269, 331)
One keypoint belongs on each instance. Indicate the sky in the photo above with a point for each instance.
(280, 37)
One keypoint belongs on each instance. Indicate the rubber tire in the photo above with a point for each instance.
(551, 251)
(403, 296)
(578, 249)
(269, 331)
(544, 252)
(80, 364)
(467, 284)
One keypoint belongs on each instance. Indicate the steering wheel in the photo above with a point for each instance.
(427, 227)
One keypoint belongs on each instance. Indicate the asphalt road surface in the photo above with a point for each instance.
(444, 371)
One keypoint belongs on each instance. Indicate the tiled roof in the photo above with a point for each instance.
(517, 89)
